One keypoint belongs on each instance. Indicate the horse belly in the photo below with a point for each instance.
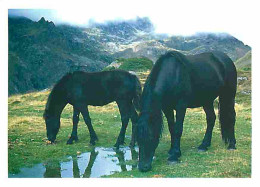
(98, 99)
(99, 102)
(205, 89)
(201, 98)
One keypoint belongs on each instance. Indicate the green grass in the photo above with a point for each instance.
(245, 61)
(133, 64)
(27, 138)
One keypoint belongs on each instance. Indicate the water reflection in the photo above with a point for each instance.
(99, 162)
(52, 170)
(92, 159)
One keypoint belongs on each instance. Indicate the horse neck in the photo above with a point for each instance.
(55, 105)
(151, 99)
(151, 112)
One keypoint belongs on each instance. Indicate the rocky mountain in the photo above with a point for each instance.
(188, 45)
(136, 38)
(117, 36)
(203, 42)
(41, 52)
(126, 31)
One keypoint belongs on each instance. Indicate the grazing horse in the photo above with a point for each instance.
(178, 82)
(81, 89)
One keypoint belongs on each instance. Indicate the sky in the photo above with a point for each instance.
(183, 17)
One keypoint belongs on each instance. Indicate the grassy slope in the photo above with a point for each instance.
(27, 136)
(245, 61)
(133, 64)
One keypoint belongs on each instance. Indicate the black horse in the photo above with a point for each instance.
(178, 82)
(81, 89)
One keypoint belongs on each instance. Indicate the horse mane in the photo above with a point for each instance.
(153, 117)
(57, 89)
(158, 64)
(153, 112)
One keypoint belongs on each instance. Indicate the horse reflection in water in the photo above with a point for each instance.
(53, 170)
(100, 162)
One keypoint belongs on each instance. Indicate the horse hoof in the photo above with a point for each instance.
(173, 159)
(173, 162)
(231, 148)
(202, 150)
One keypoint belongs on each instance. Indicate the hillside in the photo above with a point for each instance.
(245, 61)
(131, 64)
(41, 52)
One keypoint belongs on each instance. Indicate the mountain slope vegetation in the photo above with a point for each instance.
(245, 61)
(40, 52)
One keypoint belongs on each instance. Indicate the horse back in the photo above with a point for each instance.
(210, 74)
(212, 66)
(197, 79)
(100, 88)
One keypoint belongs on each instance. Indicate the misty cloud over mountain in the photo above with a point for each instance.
(41, 52)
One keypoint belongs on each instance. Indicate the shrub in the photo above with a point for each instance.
(133, 64)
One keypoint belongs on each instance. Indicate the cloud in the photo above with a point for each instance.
(171, 17)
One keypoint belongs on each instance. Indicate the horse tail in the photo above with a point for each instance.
(227, 118)
(137, 94)
(226, 107)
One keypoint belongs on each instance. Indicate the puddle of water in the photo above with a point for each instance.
(99, 162)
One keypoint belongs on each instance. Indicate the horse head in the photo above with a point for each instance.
(149, 132)
(52, 126)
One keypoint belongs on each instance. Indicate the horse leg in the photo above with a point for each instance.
(170, 119)
(87, 119)
(134, 119)
(211, 117)
(177, 131)
(75, 119)
(124, 112)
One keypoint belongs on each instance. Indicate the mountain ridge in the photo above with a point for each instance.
(40, 52)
